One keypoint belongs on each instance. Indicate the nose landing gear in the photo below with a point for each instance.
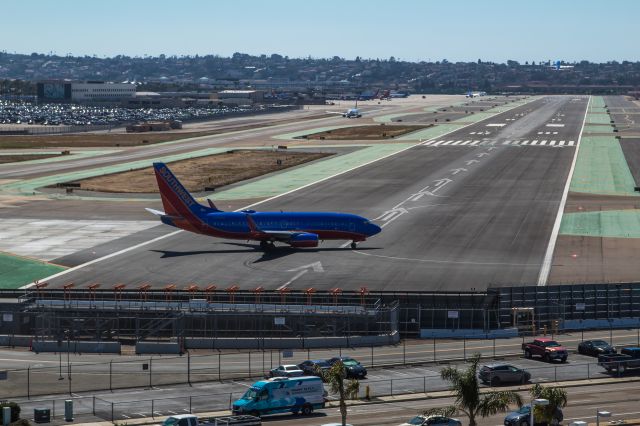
(354, 245)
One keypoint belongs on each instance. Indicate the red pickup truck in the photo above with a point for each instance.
(547, 349)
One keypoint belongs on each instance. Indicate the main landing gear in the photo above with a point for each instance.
(354, 245)
(267, 245)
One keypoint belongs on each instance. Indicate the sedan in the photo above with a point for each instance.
(432, 421)
(289, 370)
(354, 368)
(595, 348)
(313, 367)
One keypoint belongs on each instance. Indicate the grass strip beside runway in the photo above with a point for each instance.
(607, 223)
(602, 168)
(16, 271)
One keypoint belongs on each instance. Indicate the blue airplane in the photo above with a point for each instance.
(298, 229)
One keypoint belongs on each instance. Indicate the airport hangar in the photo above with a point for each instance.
(470, 224)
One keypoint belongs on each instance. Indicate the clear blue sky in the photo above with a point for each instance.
(494, 30)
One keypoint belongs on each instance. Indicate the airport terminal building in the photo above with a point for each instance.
(84, 91)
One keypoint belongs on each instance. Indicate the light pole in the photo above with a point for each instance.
(538, 401)
(601, 414)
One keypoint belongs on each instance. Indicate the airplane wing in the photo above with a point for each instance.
(282, 236)
(155, 212)
(334, 112)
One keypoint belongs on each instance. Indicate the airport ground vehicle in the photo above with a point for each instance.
(522, 417)
(311, 367)
(499, 373)
(193, 420)
(288, 370)
(432, 421)
(354, 368)
(595, 348)
(628, 358)
(547, 349)
(282, 395)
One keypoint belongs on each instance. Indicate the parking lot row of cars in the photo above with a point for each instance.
(80, 115)
(314, 367)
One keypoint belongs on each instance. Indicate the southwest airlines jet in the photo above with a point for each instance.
(298, 229)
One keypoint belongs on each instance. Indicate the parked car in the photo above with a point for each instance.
(595, 348)
(499, 373)
(546, 349)
(288, 370)
(522, 417)
(354, 368)
(312, 367)
(628, 358)
(432, 421)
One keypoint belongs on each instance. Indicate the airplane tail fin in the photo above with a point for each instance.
(176, 200)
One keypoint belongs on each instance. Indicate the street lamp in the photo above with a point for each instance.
(538, 401)
(601, 414)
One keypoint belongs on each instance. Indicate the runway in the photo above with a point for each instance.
(455, 217)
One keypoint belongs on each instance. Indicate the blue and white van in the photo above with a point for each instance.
(282, 395)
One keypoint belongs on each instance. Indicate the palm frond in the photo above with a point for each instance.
(352, 389)
(498, 402)
(441, 411)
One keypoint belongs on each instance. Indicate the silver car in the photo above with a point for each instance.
(499, 373)
(432, 421)
(288, 370)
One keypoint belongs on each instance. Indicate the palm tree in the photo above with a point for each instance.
(557, 398)
(345, 389)
(465, 388)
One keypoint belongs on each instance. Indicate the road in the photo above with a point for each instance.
(456, 215)
(412, 359)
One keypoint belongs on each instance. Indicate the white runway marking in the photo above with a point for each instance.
(554, 125)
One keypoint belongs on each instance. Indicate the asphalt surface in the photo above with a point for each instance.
(455, 218)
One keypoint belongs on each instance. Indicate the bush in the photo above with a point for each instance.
(15, 410)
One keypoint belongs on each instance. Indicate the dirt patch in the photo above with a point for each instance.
(369, 132)
(584, 260)
(17, 158)
(96, 140)
(198, 174)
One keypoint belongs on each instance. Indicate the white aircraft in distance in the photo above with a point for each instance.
(350, 113)
(471, 94)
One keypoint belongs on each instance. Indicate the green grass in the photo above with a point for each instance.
(16, 271)
(608, 223)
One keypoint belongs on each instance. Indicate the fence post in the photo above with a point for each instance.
(611, 335)
(29, 382)
(391, 387)
(190, 396)
(494, 347)
(151, 374)
(555, 374)
(434, 349)
(404, 352)
(94, 405)
(189, 368)
(371, 355)
(638, 331)
(54, 410)
(249, 363)
(153, 415)
(230, 399)
(588, 371)
(424, 384)
(111, 375)
(464, 348)
(69, 378)
(219, 365)
(112, 412)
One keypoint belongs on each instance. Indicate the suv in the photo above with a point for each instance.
(496, 374)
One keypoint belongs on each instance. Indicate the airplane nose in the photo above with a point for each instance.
(374, 229)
